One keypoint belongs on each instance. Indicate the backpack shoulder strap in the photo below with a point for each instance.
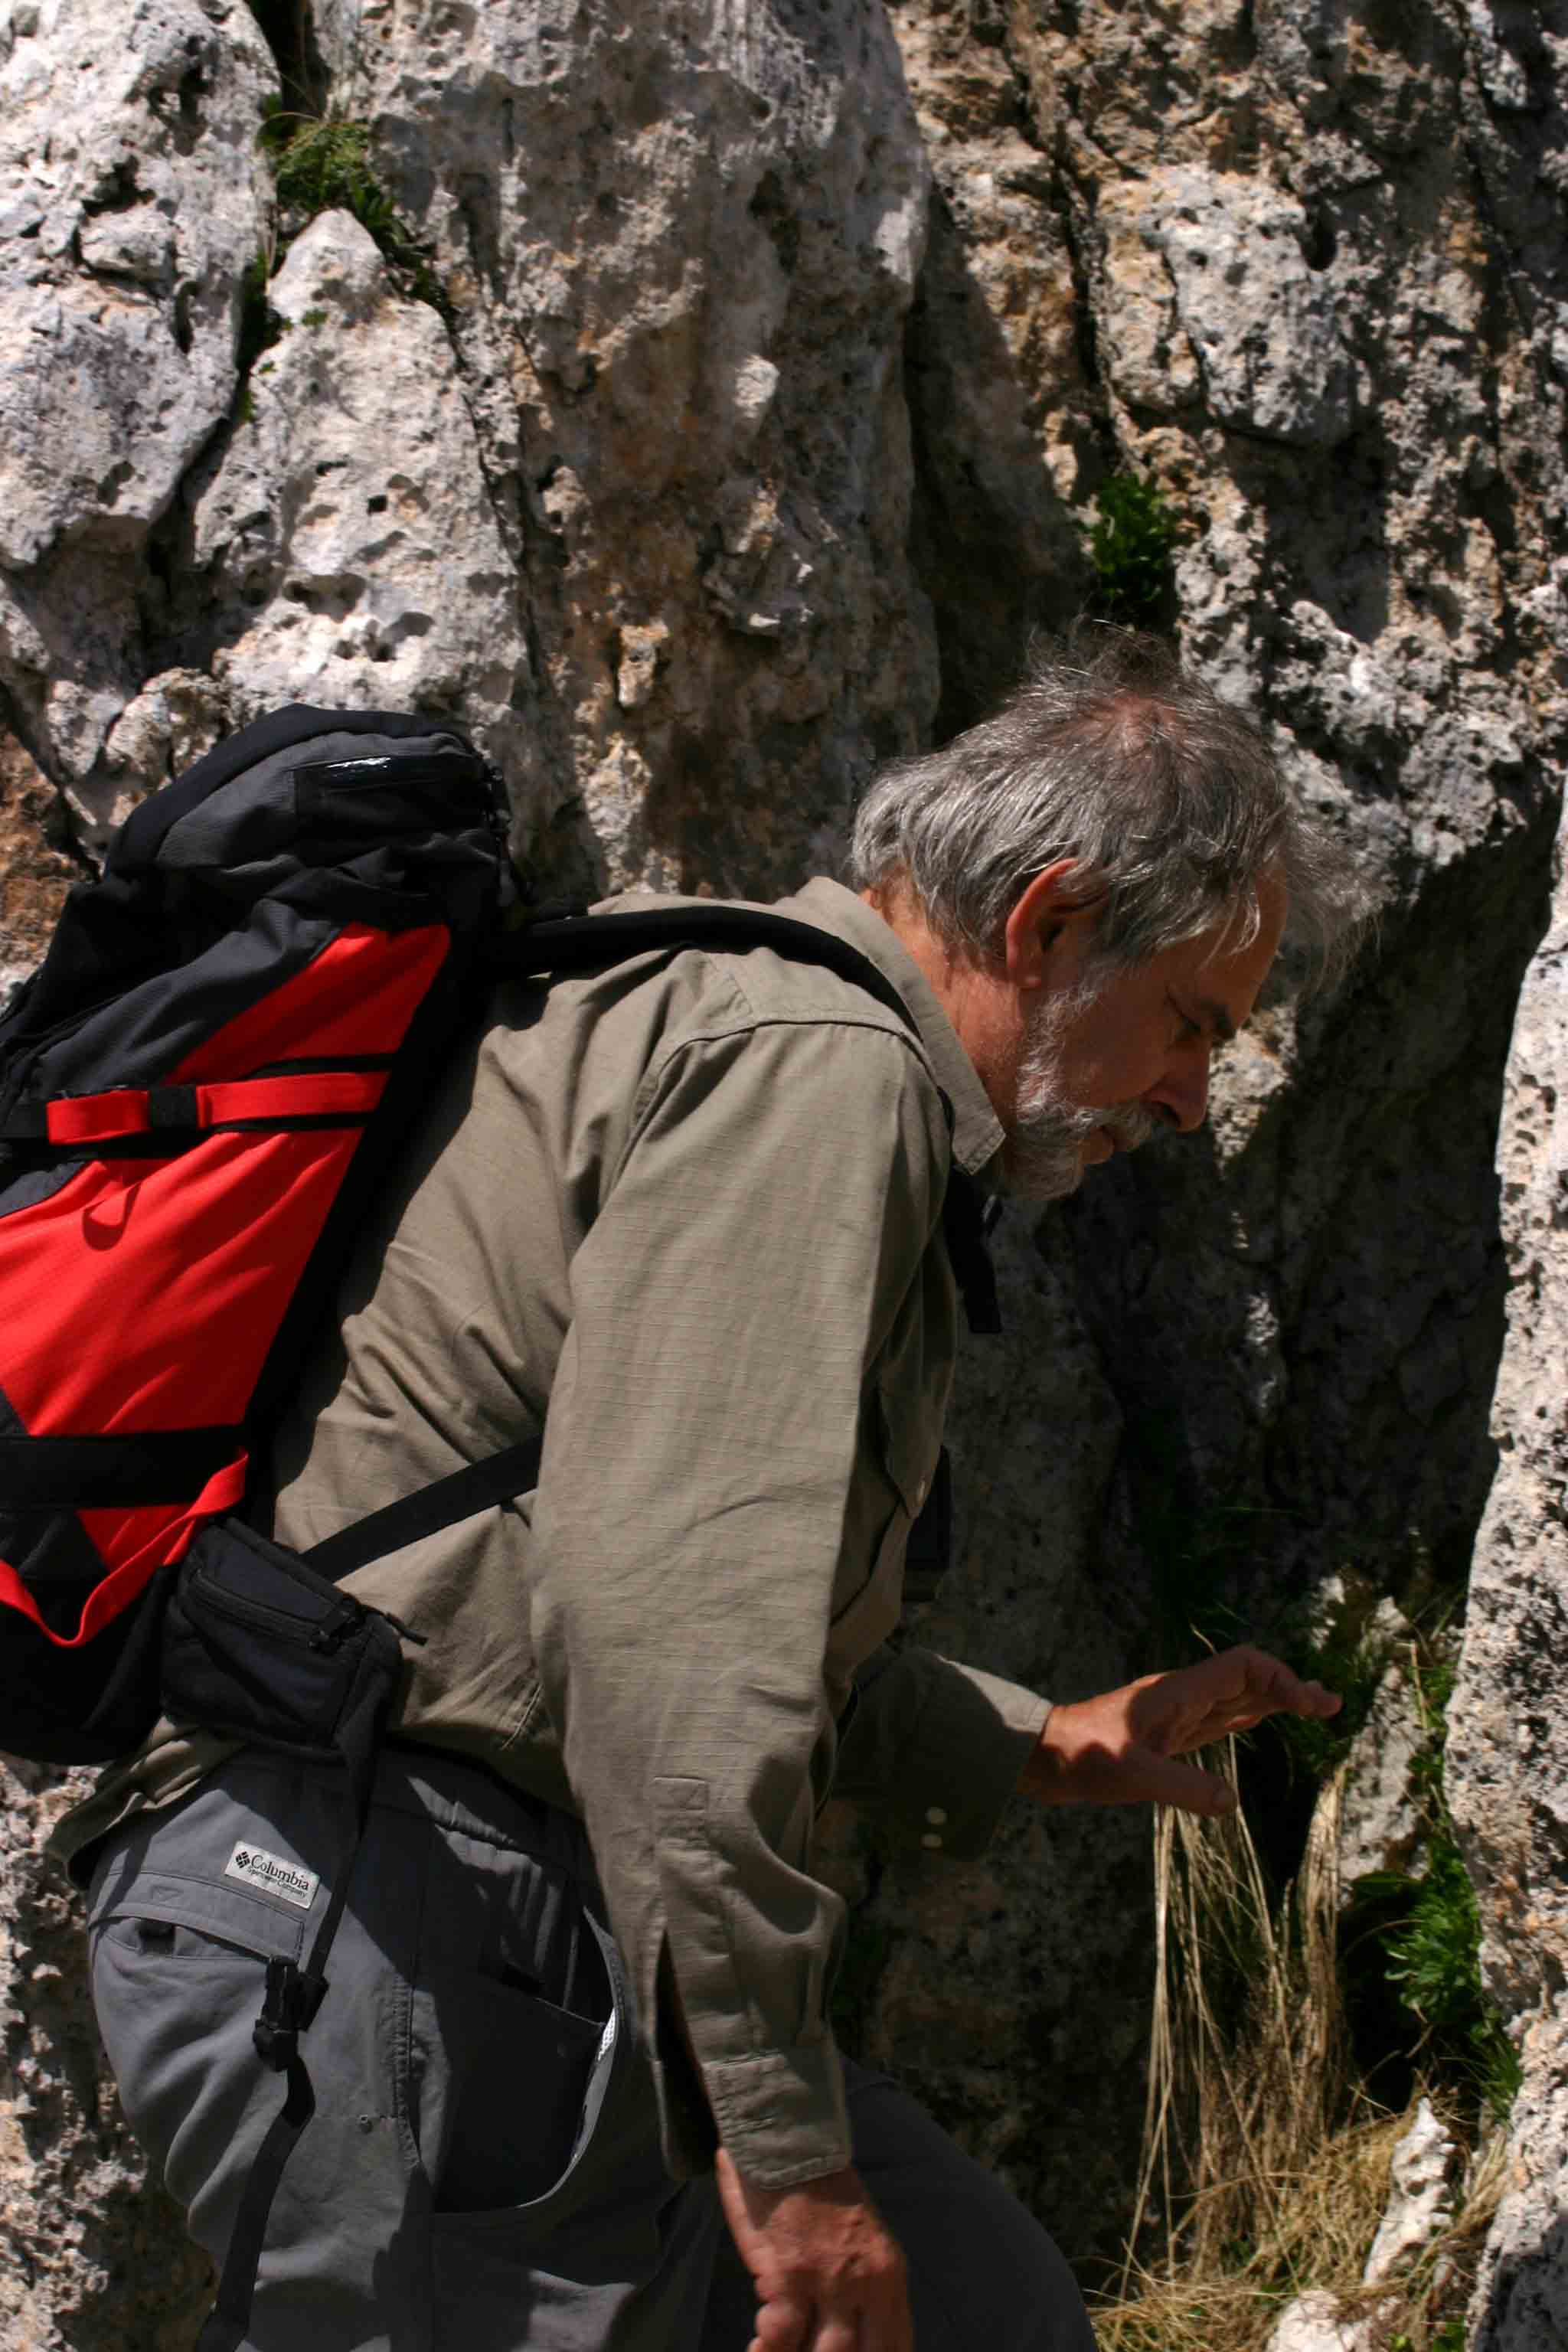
(576, 941)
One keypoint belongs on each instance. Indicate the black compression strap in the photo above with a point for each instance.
(78, 1473)
(577, 942)
(229, 2320)
(440, 1505)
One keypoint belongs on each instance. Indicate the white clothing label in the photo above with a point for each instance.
(268, 1874)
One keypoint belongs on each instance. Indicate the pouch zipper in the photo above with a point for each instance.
(323, 1634)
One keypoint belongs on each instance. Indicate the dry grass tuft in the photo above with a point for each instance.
(1265, 2169)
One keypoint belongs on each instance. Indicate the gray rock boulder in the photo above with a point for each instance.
(1421, 2196)
(350, 521)
(678, 273)
(132, 205)
(1507, 1765)
(1226, 310)
(1380, 1818)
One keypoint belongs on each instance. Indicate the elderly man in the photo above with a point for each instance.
(697, 1215)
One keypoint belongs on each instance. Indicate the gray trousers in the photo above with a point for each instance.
(483, 2172)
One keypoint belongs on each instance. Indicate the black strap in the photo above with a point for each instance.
(576, 943)
(440, 1505)
(78, 1473)
(293, 1995)
(966, 1221)
(228, 2321)
(173, 1125)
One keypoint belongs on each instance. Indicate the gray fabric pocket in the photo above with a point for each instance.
(520, 2072)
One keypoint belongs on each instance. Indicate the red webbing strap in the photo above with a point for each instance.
(226, 1102)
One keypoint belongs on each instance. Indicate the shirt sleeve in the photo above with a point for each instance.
(936, 1747)
(694, 1536)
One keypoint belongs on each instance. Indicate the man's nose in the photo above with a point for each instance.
(1182, 1097)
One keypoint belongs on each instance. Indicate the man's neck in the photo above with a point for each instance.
(984, 1011)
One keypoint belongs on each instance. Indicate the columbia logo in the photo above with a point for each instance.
(270, 1874)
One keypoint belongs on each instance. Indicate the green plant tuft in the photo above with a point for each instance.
(1424, 1934)
(1131, 546)
(321, 165)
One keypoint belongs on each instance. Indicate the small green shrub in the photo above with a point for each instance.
(1131, 547)
(1425, 1933)
(321, 165)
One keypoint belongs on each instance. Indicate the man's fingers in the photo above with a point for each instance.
(1233, 1691)
(1266, 1686)
(839, 2335)
(1121, 1747)
(783, 2326)
(1195, 1792)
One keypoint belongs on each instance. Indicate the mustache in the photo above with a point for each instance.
(1128, 1125)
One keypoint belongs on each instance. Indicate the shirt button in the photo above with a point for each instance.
(931, 1838)
(936, 1817)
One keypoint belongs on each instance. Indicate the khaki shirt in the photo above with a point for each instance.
(692, 1203)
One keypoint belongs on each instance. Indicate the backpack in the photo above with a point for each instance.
(200, 1089)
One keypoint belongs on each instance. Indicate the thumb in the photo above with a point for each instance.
(1170, 1782)
(735, 2204)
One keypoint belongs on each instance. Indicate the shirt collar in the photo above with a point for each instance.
(977, 1135)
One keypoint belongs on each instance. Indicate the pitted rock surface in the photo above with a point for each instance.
(1507, 1760)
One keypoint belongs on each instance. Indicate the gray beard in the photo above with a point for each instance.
(1042, 1159)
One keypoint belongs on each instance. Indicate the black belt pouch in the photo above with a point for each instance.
(257, 1643)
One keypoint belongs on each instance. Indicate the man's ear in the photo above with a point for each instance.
(1049, 909)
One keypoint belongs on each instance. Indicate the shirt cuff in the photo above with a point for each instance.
(782, 2114)
(937, 1748)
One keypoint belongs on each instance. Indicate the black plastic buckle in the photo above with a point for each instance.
(171, 1107)
(288, 2009)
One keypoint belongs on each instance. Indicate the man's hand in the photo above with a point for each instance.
(1119, 1749)
(828, 2277)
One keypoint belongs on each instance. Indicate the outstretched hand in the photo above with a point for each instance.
(1121, 1747)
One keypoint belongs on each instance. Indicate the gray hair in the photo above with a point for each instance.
(1166, 797)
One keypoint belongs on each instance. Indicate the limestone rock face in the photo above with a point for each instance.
(1508, 1742)
(132, 200)
(1380, 1822)
(1294, 1320)
(92, 2255)
(680, 246)
(1231, 311)
(729, 407)
(350, 519)
(1420, 2199)
(35, 875)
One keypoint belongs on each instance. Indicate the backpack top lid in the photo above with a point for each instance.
(376, 817)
